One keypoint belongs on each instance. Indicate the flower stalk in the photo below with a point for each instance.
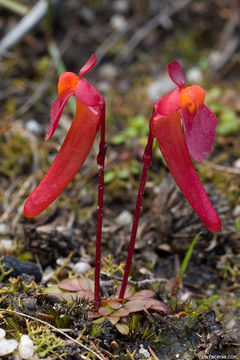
(100, 163)
(147, 161)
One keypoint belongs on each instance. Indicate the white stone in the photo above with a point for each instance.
(4, 229)
(87, 14)
(81, 267)
(2, 334)
(25, 348)
(34, 126)
(107, 72)
(124, 218)
(118, 22)
(236, 164)
(6, 245)
(161, 86)
(60, 261)
(236, 211)
(7, 346)
(185, 296)
(144, 352)
(194, 75)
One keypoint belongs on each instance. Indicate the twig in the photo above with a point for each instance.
(24, 25)
(37, 94)
(2, 131)
(16, 128)
(109, 42)
(162, 18)
(152, 353)
(14, 6)
(229, 42)
(54, 329)
(226, 169)
(14, 202)
(140, 282)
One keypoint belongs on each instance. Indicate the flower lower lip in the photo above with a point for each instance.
(169, 135)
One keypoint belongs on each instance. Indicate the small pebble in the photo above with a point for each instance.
(194, 75)
(145, 353)
(185, 296)
(161, 86)
(236, 211)
(7, 346)
(87, 14)
(124, 218)
(63, 230)
(34, 127)
(107, 71)
(26, 349)
(118, 22)
(60, 261)
(236, 164)
(6, 245)
(4, 229)
(2, 334)
(81, 267)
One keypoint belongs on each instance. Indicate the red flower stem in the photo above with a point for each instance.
(100, 163)
(147, 161)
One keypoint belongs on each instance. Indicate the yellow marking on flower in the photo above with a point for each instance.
(192, 98)
(67, 81)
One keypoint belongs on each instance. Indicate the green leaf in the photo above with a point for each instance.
(118, 139)
(105, 310)
(122, 328)
(99, 320)
(109, 176)
(228, 123)
(187, 257)
(113, 320)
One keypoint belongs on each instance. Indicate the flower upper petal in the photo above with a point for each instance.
(176, 74)
(66, 87)
(88, 66)
(87, 94)
(169, 103)
(199, 131)
(56, 112)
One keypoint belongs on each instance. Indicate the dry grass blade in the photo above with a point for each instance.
(153, 353)
(222, 168)
(2, 131)
(14, 6)
(163, 18)
(55, 330)
(24, 25)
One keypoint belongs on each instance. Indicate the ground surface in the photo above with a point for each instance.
(134, 44)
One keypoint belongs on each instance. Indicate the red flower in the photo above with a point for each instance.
(89, 116)
(199, 122)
